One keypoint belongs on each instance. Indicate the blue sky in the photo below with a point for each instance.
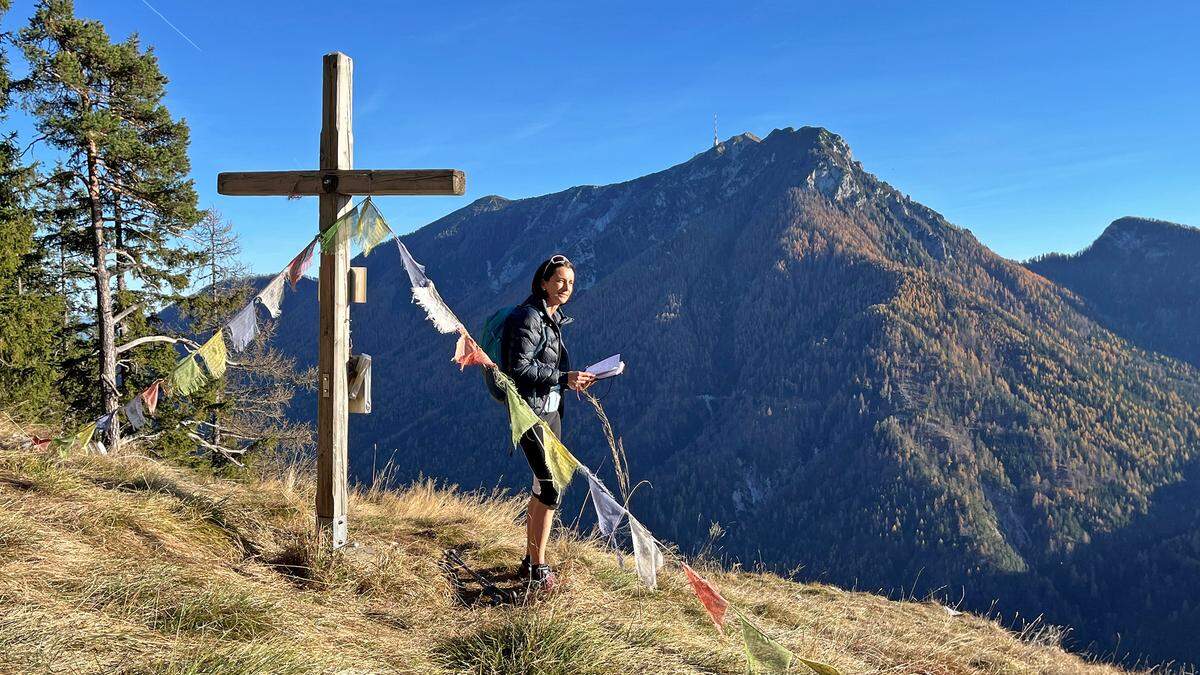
(1033, 125)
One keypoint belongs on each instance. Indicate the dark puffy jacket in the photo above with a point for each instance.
(535, 370)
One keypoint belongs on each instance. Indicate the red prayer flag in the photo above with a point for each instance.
(468, 353)
(300, 263)
(39, 442)
(709, 597)
(150, 397)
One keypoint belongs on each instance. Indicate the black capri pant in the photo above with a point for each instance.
(543, 483)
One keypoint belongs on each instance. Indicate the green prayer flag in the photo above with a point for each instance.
(187, 378)
(763, 655)
(372, 228)
(330, 236)
(214, 354)
(520, 415)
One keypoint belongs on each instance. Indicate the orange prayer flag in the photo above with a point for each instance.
(300, 263)
(468, 353)
(709, 597)
(150, 397)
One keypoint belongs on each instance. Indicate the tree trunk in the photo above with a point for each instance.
(104, 305)
(214, 419)
(120, 266)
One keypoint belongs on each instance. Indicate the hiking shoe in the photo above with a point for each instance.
(542, 578)
(524, 569)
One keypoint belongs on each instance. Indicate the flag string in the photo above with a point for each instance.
(367, 228)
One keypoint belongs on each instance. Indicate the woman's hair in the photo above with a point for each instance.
(546, 270)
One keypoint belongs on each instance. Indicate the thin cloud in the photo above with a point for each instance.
(375, 100)
(1048, 174)
(536, 127)
(173, 27)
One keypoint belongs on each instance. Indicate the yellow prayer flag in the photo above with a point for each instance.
(560, 460)
(84, 436)
(214, 354)
(372, 228)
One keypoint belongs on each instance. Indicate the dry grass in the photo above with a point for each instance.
(123, 564)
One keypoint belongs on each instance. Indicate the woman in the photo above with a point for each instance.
(532, 353)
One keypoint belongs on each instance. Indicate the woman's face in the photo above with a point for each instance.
(559, 286)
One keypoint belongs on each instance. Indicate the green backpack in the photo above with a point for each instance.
(491, 336)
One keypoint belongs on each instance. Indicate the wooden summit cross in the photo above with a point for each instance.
(335, 182)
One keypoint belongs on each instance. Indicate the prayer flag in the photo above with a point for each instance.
(561, 462)
(372, 228)
(243, 327)
(436, 309)
(300, 263)
(763, 655)
(647, 557)
(468, 353)
(105, 421)
(608, 511)
(416, 271)
(330, 235)
(709, 597)
(520, 415)
(214, 354)
(187, 378)
(272, 295)
(135, 412)
(150, 396)
(83, 437)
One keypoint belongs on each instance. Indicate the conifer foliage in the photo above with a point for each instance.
(122, 192)
(28, 306)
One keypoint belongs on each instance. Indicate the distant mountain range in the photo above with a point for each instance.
(850, 385)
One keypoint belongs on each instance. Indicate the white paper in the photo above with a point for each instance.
(609, 367)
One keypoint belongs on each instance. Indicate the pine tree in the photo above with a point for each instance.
(124, 165)
(29, 308)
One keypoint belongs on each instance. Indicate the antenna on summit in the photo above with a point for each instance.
(715, 141)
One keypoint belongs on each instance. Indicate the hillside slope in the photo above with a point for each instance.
(124, 564)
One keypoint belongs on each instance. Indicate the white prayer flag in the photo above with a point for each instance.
(416, 271)
(608, 511)
(272, 295)
(243, 327)
(647, 558)
(135, 412)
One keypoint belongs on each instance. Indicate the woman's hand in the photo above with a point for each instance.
(580, 380)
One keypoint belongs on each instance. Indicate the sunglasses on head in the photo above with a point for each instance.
(559, 260)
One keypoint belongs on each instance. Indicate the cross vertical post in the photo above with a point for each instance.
(335, 182)
(337, 152)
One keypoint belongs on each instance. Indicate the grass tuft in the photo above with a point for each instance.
(532, 642)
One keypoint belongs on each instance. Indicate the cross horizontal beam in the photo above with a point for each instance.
(343, 182)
